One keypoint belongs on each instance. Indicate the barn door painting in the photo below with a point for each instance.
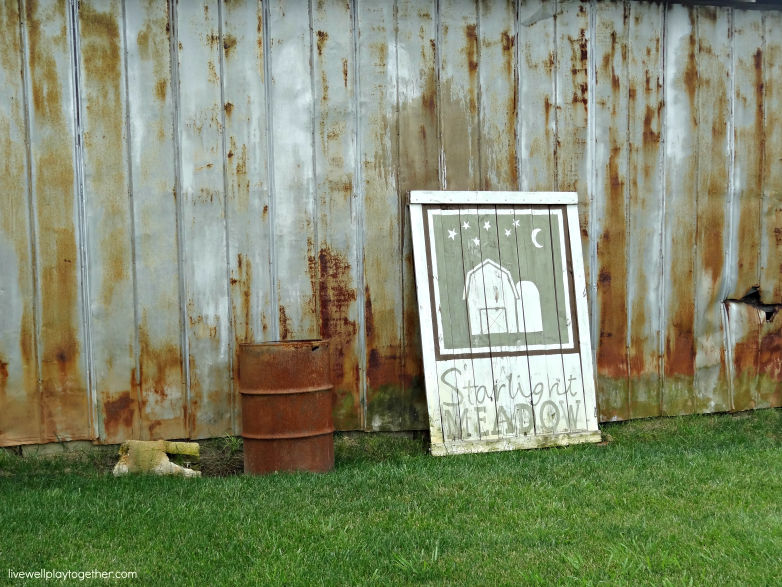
(504, 325)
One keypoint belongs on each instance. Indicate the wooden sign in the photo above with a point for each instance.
(504, 325)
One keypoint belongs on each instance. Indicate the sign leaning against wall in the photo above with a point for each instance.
(504, 324)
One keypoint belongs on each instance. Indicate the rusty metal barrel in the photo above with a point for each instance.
(286, 406)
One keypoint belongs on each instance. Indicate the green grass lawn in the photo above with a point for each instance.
(679, 501)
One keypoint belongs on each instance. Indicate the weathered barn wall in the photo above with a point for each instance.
(181, 178)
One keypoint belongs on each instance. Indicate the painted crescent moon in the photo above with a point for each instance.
(534, 242)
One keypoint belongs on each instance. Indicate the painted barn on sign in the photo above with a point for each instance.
(179, 178)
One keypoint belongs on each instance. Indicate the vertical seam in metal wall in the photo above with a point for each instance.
(591, 188)
(556, 98)
(231, 336)
(628, 233)
(267, 74)
(31, 209)
(698, 251)
(517, 90)
(762, 206)
(481, 182)
(441, 172)
(315, 196)
(358, 190)
(663, 194)
(181, 259)
(400, 202)
(132, 212)
(729, 279)
(75, 55)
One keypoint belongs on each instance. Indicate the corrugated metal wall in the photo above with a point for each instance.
(178, 179)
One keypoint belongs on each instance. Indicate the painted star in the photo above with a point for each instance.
(476, 241)
(466, 225)
(507, 232)
(486, 225)
(451, 234)
(515, 223)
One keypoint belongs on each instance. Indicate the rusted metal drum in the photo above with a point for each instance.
(286, 406)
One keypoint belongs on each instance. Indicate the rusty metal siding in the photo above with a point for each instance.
(55, 166)
(378, 136)
(159, 375)
(202, 209)
(246, 180)
(419, 158)
(771, 227)
(645, 206)
(181, 178)
(336, 174)
(610, 206)
(19, 391)
(108, 218)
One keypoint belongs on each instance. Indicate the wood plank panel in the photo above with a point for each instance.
(501, 367)
(610, 207)
(20, 402)
(712, 393)
(511, 374)
(459, 86)
(771, 212)
(452, 375)
(584, 342)
(335, 165)
(481, 407)
(681, 128)
(203, 214)
(645, 205)
(109, 215)
(436, 387)
(160, 376)
(66, 404)
(247, 181)
(419, 153)
(294, 181)
(748, 139)
(378, 152)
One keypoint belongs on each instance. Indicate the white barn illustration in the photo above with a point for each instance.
(494, 303)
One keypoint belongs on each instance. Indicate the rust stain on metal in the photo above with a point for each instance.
(285, 324)
(612, 356)
(286, 393)
(337, 299)
(163, 409)
(154, 48)
(770, 363)
(229, 42)
(242, 293)
(119, 416)
(323, 36)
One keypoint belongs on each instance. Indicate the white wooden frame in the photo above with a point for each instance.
(440, 444)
